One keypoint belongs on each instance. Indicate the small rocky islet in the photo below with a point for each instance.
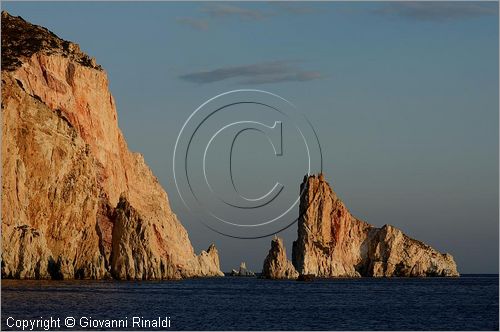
(242, 271)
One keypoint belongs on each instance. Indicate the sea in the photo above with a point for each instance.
(238, 303)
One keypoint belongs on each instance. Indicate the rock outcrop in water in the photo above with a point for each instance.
(242, 271)
(76, 203)
(277, 265)
(333, 243)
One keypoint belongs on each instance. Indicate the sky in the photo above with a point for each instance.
(402, 96)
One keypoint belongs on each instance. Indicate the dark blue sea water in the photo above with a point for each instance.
(466, 303)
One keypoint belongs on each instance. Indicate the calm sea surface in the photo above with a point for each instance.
(466, 303)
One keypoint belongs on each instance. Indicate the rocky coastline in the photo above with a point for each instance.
(78, 204)
(333, 243)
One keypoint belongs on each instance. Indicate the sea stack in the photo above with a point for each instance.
(277, 265)
(333, 243)
(76, 203)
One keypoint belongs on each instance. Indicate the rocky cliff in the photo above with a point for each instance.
(76, 203)
(333, 243)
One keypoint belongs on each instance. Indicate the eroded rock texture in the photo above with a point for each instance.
(277, 265)
(76, 203)
(333, 243)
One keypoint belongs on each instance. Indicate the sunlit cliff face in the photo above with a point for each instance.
(76, 203)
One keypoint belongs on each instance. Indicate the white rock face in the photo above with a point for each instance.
(76, 203)
(242, 271)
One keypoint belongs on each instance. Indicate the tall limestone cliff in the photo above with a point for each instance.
(333, 243)
(76, 203)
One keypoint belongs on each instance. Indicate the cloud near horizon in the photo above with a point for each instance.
(258, 73)
(438, 11)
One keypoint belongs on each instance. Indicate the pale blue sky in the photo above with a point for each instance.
(403, 96)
